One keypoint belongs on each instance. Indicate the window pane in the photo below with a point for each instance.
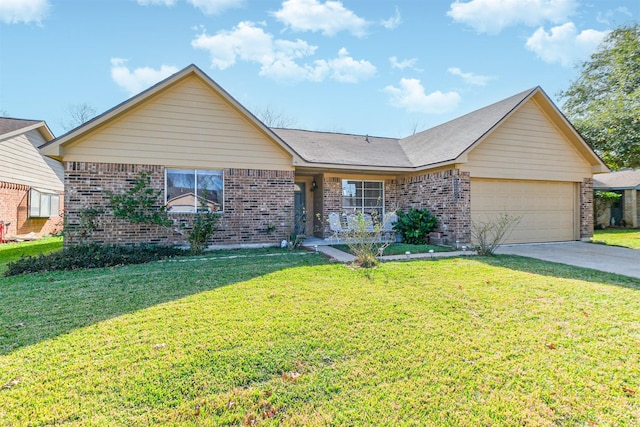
(45, 205)
(372, 185)
(349, 202)
(372, 202)
(34, 203)
(55, 205)
(210, 189)
(348, 188)
(364, 196)
(181, 187)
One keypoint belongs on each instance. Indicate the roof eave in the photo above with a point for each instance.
(40, 126)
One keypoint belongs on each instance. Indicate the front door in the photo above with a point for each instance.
(300, 212)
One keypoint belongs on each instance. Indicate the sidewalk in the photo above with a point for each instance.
(346, 258)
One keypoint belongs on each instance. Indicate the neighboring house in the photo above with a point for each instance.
(519, 156)
(31, 185)
(626, 210)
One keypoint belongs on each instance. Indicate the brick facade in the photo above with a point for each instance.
(586, 209)
(14, 204)
(258, 206)
(447, 195)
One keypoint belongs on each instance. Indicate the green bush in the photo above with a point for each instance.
(205, 224)
(91, 256)
(415, 225)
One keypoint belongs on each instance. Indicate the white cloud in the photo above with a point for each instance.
(139, 79)
(401, 65)
(492, 16)
(393, 22)
(246, 41)
(329, 18)
(214, 7)
(411, 96)
(208, 7)
(345, 69)
(277, 57)
(25, 11)
(470, 78)
(564, 45)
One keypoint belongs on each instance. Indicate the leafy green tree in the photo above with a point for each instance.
(603, 103)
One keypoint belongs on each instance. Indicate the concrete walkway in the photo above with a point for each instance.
(344, 257)
(611, 259)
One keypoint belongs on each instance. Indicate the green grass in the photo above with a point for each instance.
(402, 248)
(294, 340)
(14, 251)
(629, 238)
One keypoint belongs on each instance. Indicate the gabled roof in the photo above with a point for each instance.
(441, 145)
(619, 180)
(10, 127)
(448, 141)
(53, 148)
(445, 144)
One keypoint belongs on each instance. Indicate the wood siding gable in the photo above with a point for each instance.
(22, 163)
(186, 125)
(527, 145)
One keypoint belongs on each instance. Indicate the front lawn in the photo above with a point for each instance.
(279, 338)
(629, 238)
(14, 251)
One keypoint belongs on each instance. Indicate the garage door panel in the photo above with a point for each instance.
(547, 210)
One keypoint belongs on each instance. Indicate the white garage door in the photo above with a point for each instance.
(548, 210)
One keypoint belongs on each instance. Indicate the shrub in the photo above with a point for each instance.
(140, 204)
(90, 256)
(415, 225)
(365, 237)
(205, 224)
(488, 235)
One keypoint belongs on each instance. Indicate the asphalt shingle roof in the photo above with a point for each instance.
(8, 124)
(442, 143)
(629, 178)
(344, 149)
(449, 140)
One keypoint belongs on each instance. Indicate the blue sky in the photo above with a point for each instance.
(384, 68)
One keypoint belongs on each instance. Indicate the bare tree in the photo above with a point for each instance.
(274, 118)
(78, 114)
(417, 126)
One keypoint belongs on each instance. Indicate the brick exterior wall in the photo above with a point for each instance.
(254, 202)
(447, 195)
(14, 204)
(586, 209)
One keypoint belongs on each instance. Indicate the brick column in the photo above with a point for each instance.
(586, 209)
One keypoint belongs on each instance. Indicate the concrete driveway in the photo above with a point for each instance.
(612, 259)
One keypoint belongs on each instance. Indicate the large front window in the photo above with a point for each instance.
(363, 196)
(189, 190)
